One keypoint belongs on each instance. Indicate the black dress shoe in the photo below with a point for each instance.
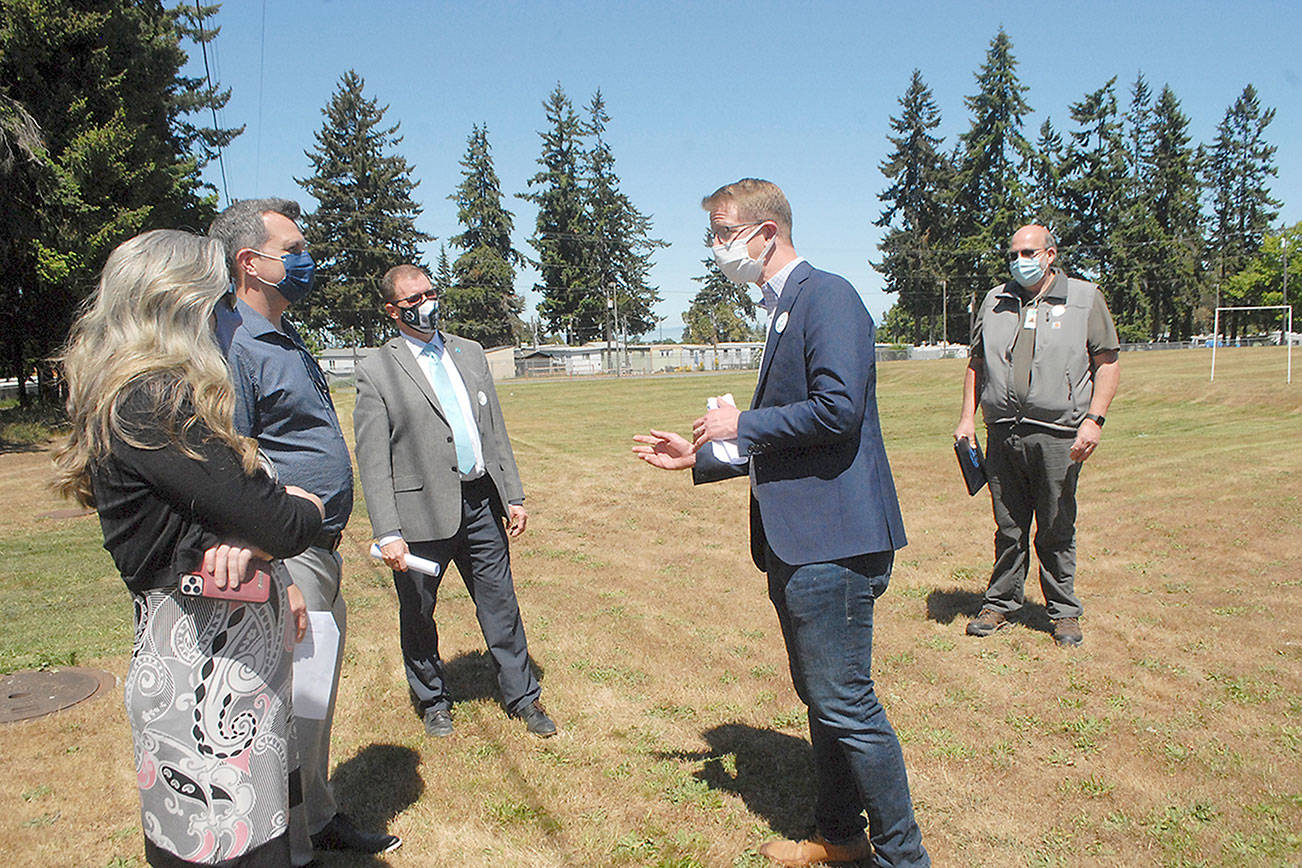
(536, 719)
(438, 722)
(341, 834)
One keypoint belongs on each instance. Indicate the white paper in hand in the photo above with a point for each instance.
(314, 666)
(420, 565)
(724, 450)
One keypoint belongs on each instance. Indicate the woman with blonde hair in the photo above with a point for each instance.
(179, 492)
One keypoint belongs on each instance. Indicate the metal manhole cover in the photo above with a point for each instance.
(24, 695)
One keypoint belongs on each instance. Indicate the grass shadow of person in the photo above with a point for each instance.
(375, 785)
(471, 675)
(944, 606)
(771, 771)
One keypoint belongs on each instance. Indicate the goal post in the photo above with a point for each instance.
(1288, 332)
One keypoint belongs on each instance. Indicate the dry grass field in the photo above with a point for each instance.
(1173, 736)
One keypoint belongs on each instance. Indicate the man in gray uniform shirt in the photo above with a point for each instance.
(1044, 366)
(283, 401)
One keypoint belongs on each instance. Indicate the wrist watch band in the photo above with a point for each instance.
(1096, 419)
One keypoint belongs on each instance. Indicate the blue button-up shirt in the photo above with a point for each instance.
(282, 400)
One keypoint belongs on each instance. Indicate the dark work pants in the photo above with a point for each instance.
(1032, 475)
(826, 613)
(483, 558)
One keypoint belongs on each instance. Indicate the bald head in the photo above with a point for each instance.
(1033, 235)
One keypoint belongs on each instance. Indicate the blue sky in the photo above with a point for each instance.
(702, 94)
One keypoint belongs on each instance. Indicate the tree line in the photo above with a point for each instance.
(102, 136)
(1169, 229)
(592, 246)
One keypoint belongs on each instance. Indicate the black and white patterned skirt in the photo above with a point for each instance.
(208, 697)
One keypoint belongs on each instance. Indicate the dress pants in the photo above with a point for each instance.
(1031, 474)
(482, 555)
(317, 572)
(826, 613)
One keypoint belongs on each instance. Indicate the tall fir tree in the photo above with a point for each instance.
(482, 304)
(570, 304)
(1046, 193)
(1239, 164)
(1094, 188)
(721, 310)
(621, 245)
(916, 249)
(993, 156)
(1135, 241)
(442, 277)
(365, 220)
(1175, 191)
(1157, 241)
(99, 120)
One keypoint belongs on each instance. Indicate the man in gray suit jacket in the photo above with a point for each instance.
(441, 483)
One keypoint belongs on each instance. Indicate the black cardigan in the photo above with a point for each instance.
(161, 509)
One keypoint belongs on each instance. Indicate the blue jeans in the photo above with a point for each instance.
(826, 613)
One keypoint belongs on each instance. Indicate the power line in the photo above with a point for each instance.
(203, 46)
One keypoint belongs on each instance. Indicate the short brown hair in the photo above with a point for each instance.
(755, 200)
(389, 283)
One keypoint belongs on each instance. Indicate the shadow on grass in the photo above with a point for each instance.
(944, 606)
(373, 787)
(774, 773)
(471, 675)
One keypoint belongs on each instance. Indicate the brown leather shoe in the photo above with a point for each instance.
(986, 623)
(1066, 631)
(814, 851)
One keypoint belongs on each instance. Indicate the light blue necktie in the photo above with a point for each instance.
(447, 395)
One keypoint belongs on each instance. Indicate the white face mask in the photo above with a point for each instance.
(735, 262)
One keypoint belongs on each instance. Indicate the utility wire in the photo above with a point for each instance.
(203, 46)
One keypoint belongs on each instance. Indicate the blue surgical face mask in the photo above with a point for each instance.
(299, 272)
(1027, 270)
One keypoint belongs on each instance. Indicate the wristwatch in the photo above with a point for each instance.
(1096, 419)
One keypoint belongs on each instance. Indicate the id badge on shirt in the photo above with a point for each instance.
(1030, 318)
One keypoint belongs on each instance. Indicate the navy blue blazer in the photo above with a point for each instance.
(821, 487)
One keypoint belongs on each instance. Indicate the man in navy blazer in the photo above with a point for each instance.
(825, 521)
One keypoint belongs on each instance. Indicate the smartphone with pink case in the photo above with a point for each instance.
(256, 587)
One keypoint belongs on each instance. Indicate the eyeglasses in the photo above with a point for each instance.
(1024, 253)
(728, 232)
(410, 301)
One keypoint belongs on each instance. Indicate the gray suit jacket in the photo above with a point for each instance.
(405, 454)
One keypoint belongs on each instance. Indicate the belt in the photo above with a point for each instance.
(328, 540)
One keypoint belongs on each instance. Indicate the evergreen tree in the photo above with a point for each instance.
(1174, 194)
(482, 304)
(620, 249)
(97, 145)
(442, 278)
(1046, 193)
(365, 221)
(1239, 165)
(1156, 244)
(1136, 241)
(571, 304)
(993, 155)
(1094, 187)
(721, 310)
(916, 246)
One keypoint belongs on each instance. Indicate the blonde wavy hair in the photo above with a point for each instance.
(148, 327)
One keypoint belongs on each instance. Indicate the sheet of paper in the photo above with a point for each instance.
(419, 564)
(725, 450)
(314, 666)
